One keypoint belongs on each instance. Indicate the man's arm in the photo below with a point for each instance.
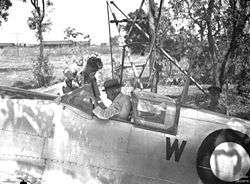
(106, 113)
(95, 88)
(97, 93)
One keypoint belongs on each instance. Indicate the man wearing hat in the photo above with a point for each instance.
(213, 104)
(121, 104)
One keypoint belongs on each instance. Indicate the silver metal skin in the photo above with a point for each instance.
(45, 142)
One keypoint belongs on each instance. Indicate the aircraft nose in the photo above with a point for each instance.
(229, 162)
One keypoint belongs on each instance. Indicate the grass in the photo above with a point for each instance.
(16, 64)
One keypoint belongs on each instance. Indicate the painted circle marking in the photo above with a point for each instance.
(233, 149)
(229, 161)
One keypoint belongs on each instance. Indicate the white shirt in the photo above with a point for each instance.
(121, 107)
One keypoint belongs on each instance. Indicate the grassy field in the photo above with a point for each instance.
(16, 64)
(16, 67)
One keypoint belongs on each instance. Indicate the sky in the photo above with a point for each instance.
(87, 16)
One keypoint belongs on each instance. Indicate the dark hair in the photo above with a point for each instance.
(95, 62)
(112, 84)
(114, 91)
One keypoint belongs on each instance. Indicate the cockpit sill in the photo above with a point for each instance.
(187, 111)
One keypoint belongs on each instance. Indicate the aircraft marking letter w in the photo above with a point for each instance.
(174, 148)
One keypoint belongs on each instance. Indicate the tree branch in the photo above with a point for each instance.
(43, 13)
(33, 3)
(190, 14)
(239, 19)
(219, 28)
(211, 42)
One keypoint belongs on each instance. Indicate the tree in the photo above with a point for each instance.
(165, 27)
(213, 33)
(136, 35)
(157, 33)
(219, 26)
(238, 17)
(115, 40)
(38, 22)
(4, 7)
(71, 33)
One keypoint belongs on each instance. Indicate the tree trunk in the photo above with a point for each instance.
(152, 29)
(213, 56)
(155, 81)
(40, 36)
(41, 60)
(240, 17)
(170, 69)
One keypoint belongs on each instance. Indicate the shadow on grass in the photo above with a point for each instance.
(2, 70)
(24, 85)
(33, 84)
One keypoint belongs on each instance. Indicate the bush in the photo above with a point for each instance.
(43, 71)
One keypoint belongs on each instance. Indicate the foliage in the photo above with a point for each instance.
(242, 78)
(222, 31)
(43, 71)
(165, 36)
(115, 40)
(165, 28)
(212, 33)
(71, 33)
(136, 35)
(34, 21)
(39, 21)
(4, 7)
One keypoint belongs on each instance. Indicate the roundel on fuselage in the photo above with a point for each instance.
(224, 158)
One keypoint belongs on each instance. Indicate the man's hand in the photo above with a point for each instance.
(97, 111)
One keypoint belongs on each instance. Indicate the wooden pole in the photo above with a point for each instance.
(183, 96)
(172, 60)
(110, 42)
(122, 66)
